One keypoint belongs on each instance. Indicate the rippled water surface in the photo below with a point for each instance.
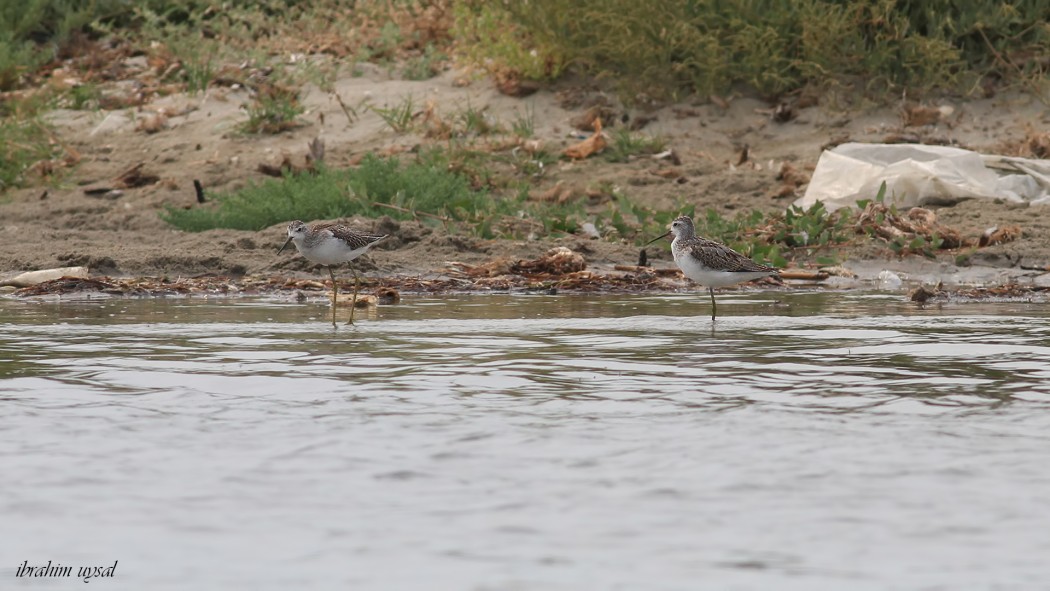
(805, 441)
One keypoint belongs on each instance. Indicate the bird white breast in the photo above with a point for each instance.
(330, 252)
(707, 277)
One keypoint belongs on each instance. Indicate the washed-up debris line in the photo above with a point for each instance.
(559, 269)
(1009, 291)
(891, 225)
(456, 279)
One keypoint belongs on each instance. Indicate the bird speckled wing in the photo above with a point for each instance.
(354, 239)
(716, 256)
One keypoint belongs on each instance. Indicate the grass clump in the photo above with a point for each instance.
(399, 117)
(425, 189)
(490, 35)
(34, 32)
(273, 109)
(624, 145)
(773, 47)
(772, 238)
(412, 187)
(23, 143)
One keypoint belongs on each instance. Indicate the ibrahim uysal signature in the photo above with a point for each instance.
(57, 570)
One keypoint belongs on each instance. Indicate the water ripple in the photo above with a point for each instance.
(826, 442)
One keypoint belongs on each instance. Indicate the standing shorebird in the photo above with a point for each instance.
(331, 244)
(709, 263)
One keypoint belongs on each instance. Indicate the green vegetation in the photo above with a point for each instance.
(400, 116)
(424, 189)
(439, 187)
(426, 65)
(491, 36)
(524, 124)
(773, 47)
(474, 121)
(903, 243)
(767, 238)
(273, 109)
(476, 173)
(623, 145)
(337, 193)
(23, 143)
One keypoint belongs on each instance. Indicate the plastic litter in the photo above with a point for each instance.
(888, 280)
(30, 278)
(917, 175)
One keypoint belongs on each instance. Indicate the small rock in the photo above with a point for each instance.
(387, 296)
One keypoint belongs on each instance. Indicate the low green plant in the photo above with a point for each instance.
(18, 56)
(198, 71)
(379, 186)
(33, 32)
(426, 65)
(399, 117)
(424, 189)
(812, 227)
(489, 37)
(322, 73)
(880, 197)
(273, 109)
(927, 247)
(475, 121)
(528, 164)
(638, 223)
(84, 97)
(767, 238)
(23, 142)
(624, 145)
(710, 47)
(384, 46)
(524, 124)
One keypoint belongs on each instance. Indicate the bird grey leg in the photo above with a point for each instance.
(713, 306)
(335, 293)
(353, 302)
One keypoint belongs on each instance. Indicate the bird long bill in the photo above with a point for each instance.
(664, 235)
(287, 242)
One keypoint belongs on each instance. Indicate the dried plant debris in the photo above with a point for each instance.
(791, 179)
(913, 115)
(590, 120)
(136, 176)
(886, 222)
(1038, 143)
(592, 145)
(999, 235)
(923, 293)
(1010, 291)
(558, 261)
(152, 123)
(941, 294)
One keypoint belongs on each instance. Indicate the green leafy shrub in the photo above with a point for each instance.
(774, 47)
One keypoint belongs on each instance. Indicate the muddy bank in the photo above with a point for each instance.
(119, 233)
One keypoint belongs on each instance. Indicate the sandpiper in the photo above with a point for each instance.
(331, 244)
(709, 263)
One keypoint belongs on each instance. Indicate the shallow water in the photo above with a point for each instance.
(807, 441)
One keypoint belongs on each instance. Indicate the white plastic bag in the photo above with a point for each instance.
(917, 174)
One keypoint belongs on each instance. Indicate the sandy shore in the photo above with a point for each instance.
(120, 235)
